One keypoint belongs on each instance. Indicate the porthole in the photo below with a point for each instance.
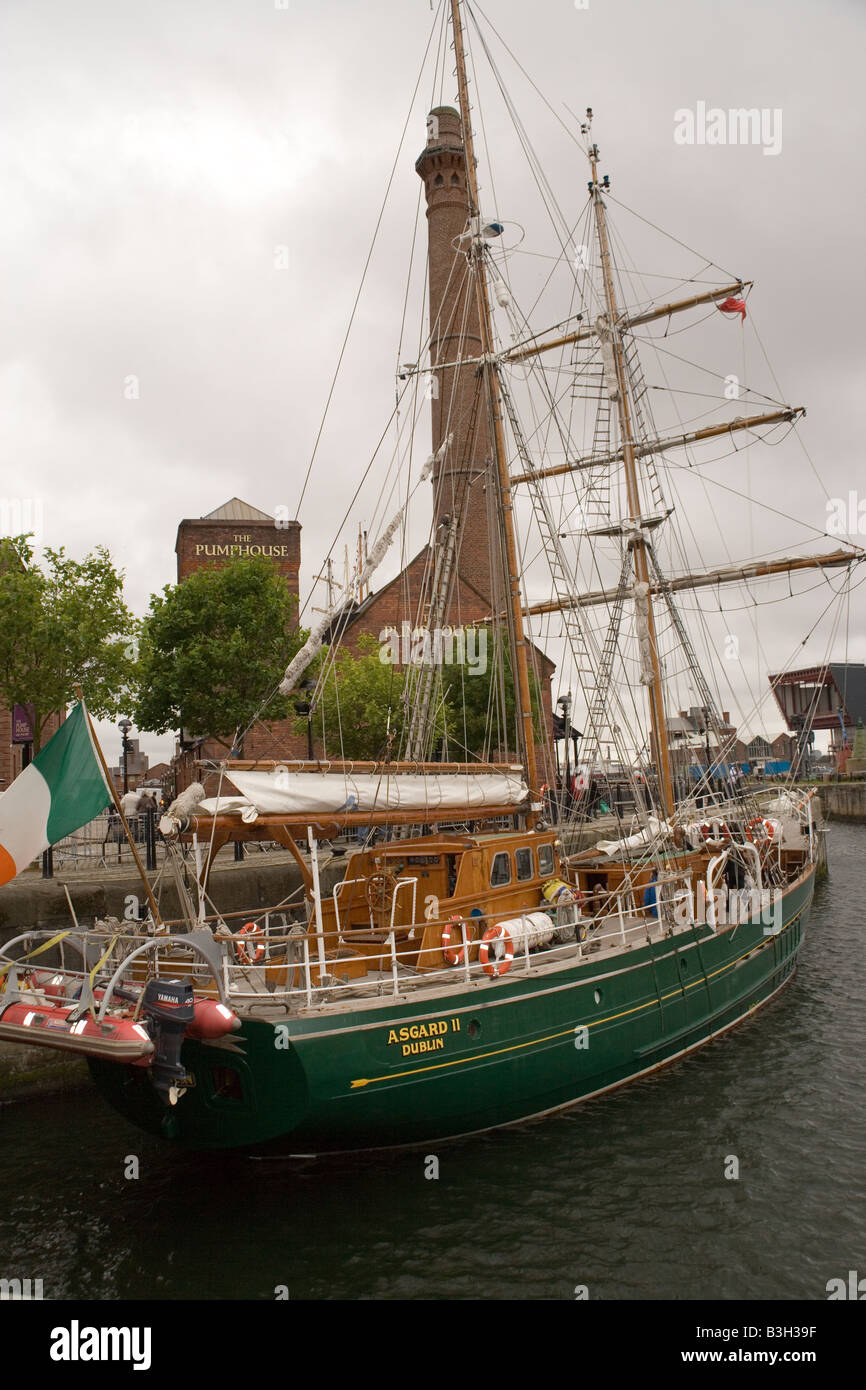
(474, 1029)
(597, 996)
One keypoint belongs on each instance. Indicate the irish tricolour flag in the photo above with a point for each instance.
(62, 789)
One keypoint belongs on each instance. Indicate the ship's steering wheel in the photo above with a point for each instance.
(380, 889)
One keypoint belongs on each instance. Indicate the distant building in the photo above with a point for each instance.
(233, 529)
(784, 748)
(690, 735)
(15, 754)
(160, 777)
(136, 768)
(759, 749)
(831, 697)
(16, 749)
(236, 528)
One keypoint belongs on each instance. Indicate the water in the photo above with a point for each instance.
(626, 1194)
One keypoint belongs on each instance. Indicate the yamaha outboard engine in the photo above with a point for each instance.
(168, 1007)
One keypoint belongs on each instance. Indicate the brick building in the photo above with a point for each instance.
(236, 528)
(137, 767)
(12, 754)
(463, 482)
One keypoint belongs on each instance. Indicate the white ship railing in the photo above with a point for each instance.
(295, 972)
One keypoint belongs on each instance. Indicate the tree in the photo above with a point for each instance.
(359, 704)
(66, 625)
(359, 710)
(214, 647)
(475, 691)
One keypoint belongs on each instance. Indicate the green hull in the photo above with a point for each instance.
(472, 1057)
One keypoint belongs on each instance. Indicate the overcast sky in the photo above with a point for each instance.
(155, 156)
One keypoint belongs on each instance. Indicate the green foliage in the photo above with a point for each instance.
(474, 700)
(65, 625)
(213, 647)
(359, 704)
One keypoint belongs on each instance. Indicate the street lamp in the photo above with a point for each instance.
(305, 708)
(124, 725)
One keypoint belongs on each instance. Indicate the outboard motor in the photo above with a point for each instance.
(169, 1009)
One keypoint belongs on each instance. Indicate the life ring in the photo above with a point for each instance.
(723, 832)
(496, 967)
(760, 831)
(246, 952)
(452, 956)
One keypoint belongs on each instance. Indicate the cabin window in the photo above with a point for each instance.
(451, 861)
(501, 871)
(523, 859)
(545, 860)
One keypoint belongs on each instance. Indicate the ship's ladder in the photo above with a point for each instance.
(587, 666)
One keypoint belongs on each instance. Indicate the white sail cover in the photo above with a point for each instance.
(318, 793)
(654, 830)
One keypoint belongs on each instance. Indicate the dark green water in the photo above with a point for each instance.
(626, 1194)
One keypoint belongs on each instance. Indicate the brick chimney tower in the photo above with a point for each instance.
(459, 401)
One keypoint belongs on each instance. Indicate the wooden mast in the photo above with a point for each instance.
(521, 685)
(658, 733)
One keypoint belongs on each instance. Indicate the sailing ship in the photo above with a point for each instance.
(482, 964)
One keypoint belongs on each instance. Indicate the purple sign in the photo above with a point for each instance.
(22, 723)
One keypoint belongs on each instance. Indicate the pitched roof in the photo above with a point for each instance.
(356, 615)
(236, 510)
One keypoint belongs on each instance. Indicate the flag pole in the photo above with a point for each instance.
(119, 809)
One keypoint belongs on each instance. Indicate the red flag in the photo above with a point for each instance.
(733, 306)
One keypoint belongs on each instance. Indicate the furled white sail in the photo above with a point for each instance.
(301, 660)
(317, 793)
(656, 829)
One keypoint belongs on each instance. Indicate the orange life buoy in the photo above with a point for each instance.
(246, 952)
(452, 956)
(723, 832)
(496, 967)
(760, 831)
